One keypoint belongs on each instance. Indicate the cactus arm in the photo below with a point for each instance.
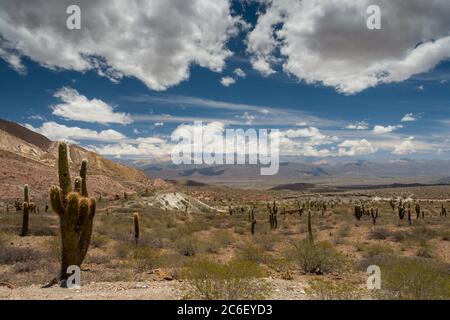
(86, 224)
(83, 175)
(64, 169)
(55, 200)
(26, 193)
(72, 217)
(77, 184)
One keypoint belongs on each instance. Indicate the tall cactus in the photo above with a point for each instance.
(26, 211)
(136, 227)
(76, 212)
(310, 233)
(252, 220)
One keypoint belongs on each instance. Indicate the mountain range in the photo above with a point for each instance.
(29, 158)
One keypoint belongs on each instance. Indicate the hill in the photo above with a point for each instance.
(27, 157)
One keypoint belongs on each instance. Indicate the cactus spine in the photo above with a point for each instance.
(26, 211)
(136, 227)
(76, 212)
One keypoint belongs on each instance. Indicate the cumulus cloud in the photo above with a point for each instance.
(239, 72)
(353, 148)
(362, 125)
(155, 41)
(406, 147)
(409, 117)
(75, 106)
(327, 42)
(58, 132)
(383, 130)
(13, 60)
(308, 142)
(227, 81)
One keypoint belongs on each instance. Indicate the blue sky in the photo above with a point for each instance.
(323, 113)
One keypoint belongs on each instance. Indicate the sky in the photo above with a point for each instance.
(137, 71)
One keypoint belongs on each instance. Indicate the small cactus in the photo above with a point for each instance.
(136, 227)
(253, 220)
(310, 233)
(401, 212)
(374, 214)
(273, 211)
(26, 211)
(359, 212)
(417, 208)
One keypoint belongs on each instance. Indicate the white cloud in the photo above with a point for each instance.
(13, 60)
(155, 41)
(159, 124)
(36, 117)
(57, 132)
(383, 130)
(75, 106)
(227, 81)
(353, 148)
(327, 42)
(362, 125)
(406, 147)
(409, 117)
(239, 72)
(248, 118)
(421, 88)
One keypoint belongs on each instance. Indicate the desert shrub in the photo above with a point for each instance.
(415, 278)
(223, 237)
(400, 236)
(423, 233)
(344, 231)
(144, 258)
(318, 257)
(266, 240)
(99, 241)
(12, 255)
(326, 289)
(379, 233)
(242, 229)
(235, 280)
(188, 246)
(424, 251)
(377, 249)
(253, 252)
(445, 234)
(53, 246)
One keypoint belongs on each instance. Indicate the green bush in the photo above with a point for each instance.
(253, 252)
(318, 257)
(377, 249)
(326, 289)
(236, 280)
(415, 279)
(144, 258)
(188, 246)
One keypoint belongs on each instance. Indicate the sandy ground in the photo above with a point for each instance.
(155, 290)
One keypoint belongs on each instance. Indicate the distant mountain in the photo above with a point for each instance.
(27, 157)
(364, 172)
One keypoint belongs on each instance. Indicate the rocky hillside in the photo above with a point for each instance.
(30, 158)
